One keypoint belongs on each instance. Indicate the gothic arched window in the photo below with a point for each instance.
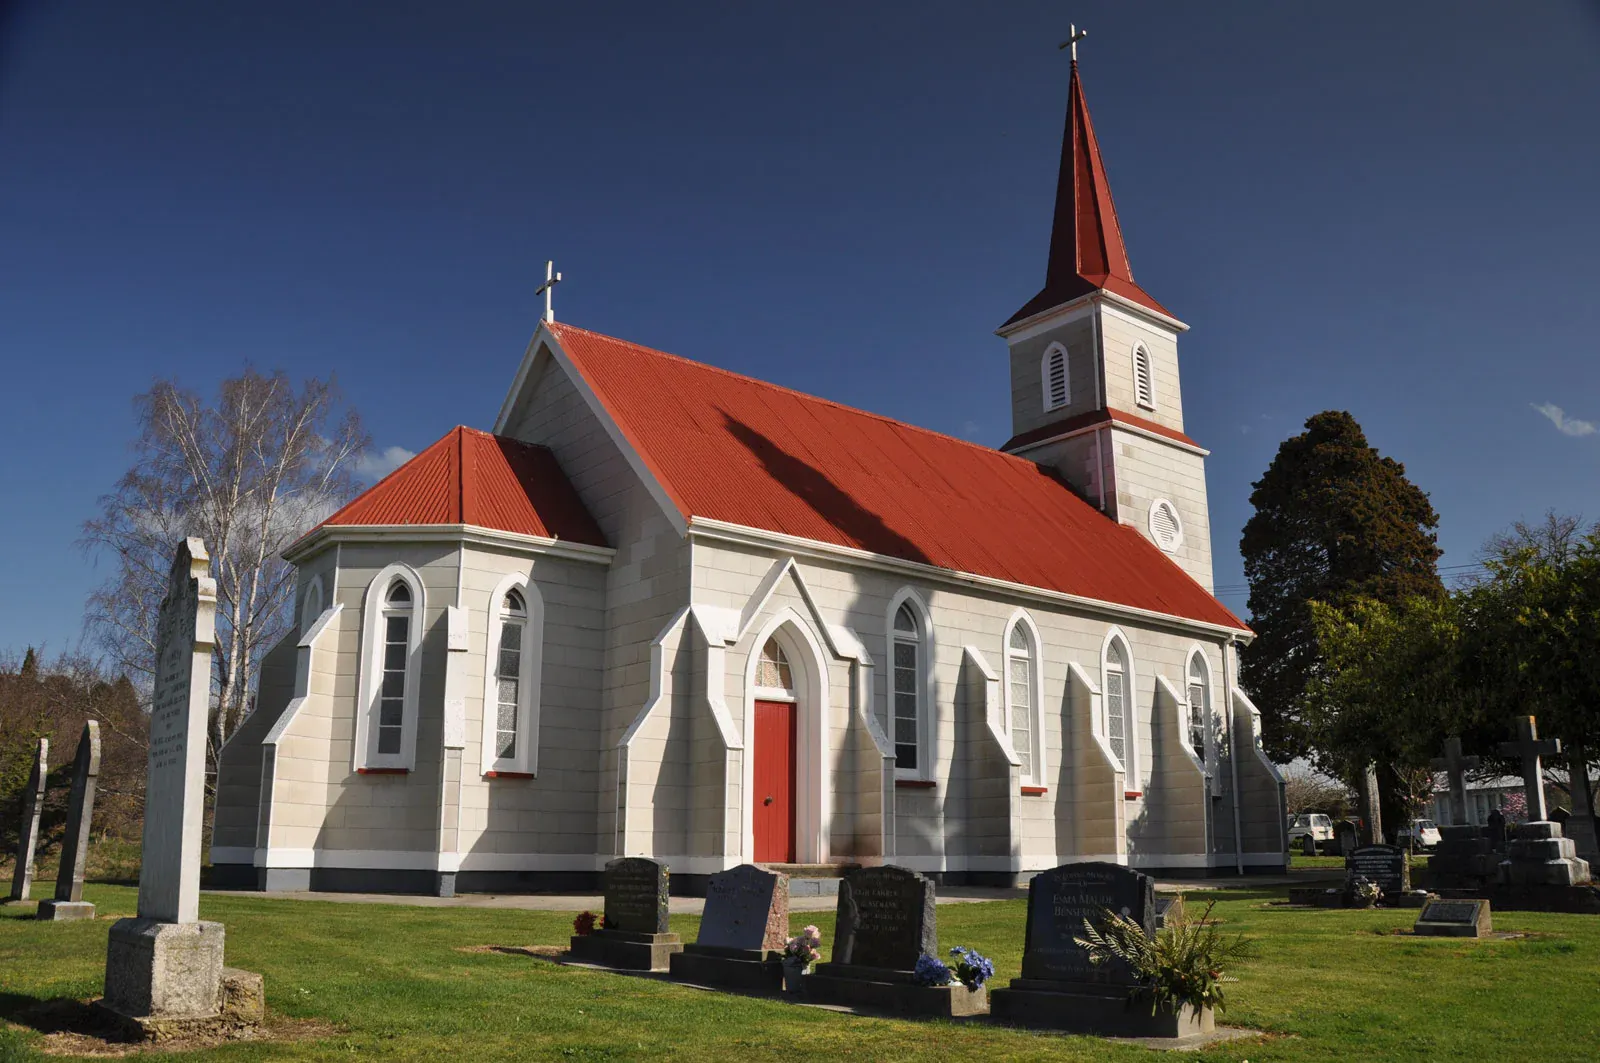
(908, 687)
(512, 673)
(1199, 705)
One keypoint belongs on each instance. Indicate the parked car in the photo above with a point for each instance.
(1309, 832)
(1422, 834)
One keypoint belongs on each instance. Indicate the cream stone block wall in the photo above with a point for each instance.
(1144, 469)
(1175, 805)
(988, 778)
(857, 597)
(1027, 375)
(1261, 800)
(1120, 332)
(556, 812)
(239, 776)
(1090, 811)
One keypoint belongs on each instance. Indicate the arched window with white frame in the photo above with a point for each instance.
(1022, 693)
(1055, 379)
(1117, 686)
(1199, 705)
(513, 669)
(1144, 383)
(909, 654)
(391, 641)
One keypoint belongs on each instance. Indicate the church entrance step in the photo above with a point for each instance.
(812, 880)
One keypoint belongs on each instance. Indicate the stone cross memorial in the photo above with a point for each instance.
(1454, 765)
(28, 828)
(164, 968)
(744, 924)
(68, 902)
(635, 936)
(1060, 987)
(1529, 747)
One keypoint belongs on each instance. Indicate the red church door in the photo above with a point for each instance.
(774, 782)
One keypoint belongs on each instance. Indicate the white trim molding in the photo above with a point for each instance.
(525, 757)
(468, 534)
(365, 754)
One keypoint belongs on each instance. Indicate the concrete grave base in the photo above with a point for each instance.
(164, 970)
(52, 911)
(1042, 1002)
(747, 970)
(626, 950)
(879, 989)
(243, 1006)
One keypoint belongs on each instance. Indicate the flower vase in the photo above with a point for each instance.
(793, 977)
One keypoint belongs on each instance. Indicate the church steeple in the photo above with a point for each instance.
(1086, 249)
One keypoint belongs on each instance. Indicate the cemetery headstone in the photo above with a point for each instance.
(1169, 910)
(886, 922)
(635, 935)
(1454, 918)
(1060, 988)
(1540, 855)
(68, 902)
(1386, 865)
(742, 928)
(28, 828)
(1464, 858)
(1346, 838)
(164, 968)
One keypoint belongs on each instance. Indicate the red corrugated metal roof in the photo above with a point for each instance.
(1090, 419)
(731, 448)
(472, 477)
(1086, 249)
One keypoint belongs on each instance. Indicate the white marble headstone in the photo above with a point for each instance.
(169, 880)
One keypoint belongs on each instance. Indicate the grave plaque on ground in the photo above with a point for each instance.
(1453, 918)
(164, 972)
(635, 934)
(68, 902)
(886, 922)
(28, 828)
(743, 927)
(1059, 987)
(1385, 865)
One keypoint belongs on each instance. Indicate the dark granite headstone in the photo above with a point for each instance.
(1346, 838)
(636, 895)
(1061, 899)
(1384, 864)
(886, 918)
(68, 902)
(1453, 918)
(747, 907)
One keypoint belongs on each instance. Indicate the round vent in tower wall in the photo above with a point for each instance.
(1165, 527)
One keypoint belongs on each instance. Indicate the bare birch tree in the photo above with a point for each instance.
(249, 475)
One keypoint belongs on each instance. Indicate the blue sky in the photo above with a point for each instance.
(1384, 208)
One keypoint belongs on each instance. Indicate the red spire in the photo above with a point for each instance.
(1086, 249)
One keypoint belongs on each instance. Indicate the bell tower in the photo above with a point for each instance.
(1095, 393)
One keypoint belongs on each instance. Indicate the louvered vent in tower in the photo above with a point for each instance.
(1143, 386)
(1057, 390)
(1165, 527)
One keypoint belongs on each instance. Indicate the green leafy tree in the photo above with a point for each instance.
(1335, 521)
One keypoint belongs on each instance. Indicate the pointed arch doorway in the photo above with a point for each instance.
(774, 769)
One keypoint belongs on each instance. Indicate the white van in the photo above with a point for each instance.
(1310, 831)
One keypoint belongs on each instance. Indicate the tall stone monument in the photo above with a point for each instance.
(28, 829)
(164, 970)
(68, 902)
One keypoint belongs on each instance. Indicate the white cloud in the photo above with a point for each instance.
(1568, 426)
(970, 430)
(376, 464)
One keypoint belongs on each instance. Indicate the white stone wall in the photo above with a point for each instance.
(1120, 332)
(1027, 375)
(1140, 470)
(857, 598)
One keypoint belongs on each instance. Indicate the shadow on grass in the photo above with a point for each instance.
(59, 1015)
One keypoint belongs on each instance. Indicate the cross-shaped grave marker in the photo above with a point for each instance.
(1530, 748)
(1454, 765)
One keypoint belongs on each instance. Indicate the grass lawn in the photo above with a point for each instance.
(1326, 985)
(1300, 862)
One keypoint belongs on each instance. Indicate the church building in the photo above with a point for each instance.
(667, 610)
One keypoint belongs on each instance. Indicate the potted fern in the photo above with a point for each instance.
(1183, 967)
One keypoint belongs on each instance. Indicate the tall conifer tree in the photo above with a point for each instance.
(1334, 520)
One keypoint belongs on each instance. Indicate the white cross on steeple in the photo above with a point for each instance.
(551, 279)
(1072, 42)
